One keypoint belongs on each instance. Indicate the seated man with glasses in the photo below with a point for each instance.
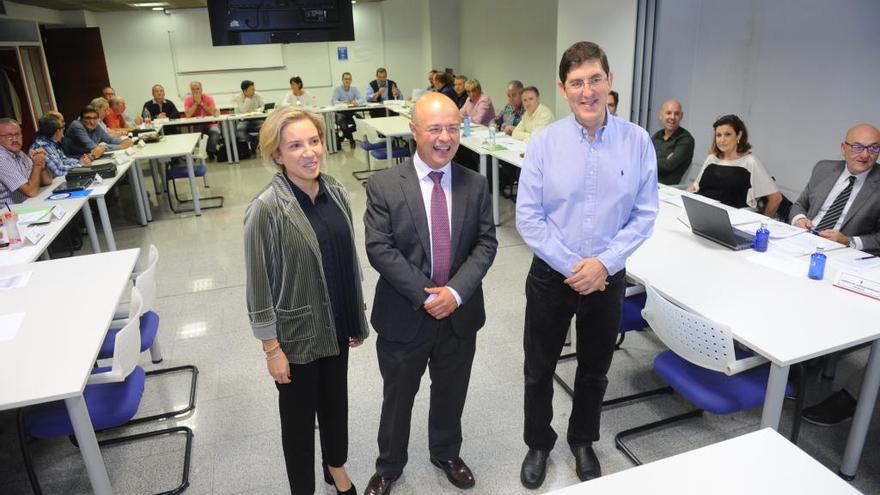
(842, 199)
(50, 131)
(85, 136)
(21, 175)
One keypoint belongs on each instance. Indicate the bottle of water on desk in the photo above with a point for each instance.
(492, 135)
(147, 117)
(12, 235)
(817, 264)
(467, 126)
(762, 238)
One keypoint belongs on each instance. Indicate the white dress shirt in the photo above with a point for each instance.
(426, 185)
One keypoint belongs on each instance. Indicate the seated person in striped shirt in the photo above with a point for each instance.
(50, 130)
(84, 135)
(509, 117)
(21, 175)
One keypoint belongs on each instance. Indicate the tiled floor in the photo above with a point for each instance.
(237, 446)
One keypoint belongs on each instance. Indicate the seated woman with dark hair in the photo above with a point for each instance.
(732, 174)
(48, 138)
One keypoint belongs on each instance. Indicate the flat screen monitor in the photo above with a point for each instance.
(254, 22)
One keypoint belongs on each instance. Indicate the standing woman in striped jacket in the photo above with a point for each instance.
(304, 295)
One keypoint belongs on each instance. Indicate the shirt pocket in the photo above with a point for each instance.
(295, 325)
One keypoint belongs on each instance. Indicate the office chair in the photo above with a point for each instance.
(112, 397)
(145, 283)
(173, 173)
(704, 366)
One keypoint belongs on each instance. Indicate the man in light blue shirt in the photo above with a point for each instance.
(587, 198)
(348, 95)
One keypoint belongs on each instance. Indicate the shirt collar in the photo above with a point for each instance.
(301, 197)
(423, 169)
(860, 178)
(609, 126)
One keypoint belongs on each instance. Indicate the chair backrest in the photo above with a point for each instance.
(201, 151)
(371, 136)
(127, 346)
(694, 338)
(146, 280)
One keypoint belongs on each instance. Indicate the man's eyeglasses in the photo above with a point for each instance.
(858, 148)
(88, 118)
(436, 130)
(578, 84)
(11, 135)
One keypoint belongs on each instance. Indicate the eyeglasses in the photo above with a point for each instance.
(436, 130)
(859, 148)
(578, 84)
(88, 118)
(11, 135)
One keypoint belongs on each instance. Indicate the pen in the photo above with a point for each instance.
(7, 206)
(866, 257)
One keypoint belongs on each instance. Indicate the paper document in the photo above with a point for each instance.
(30, 215)
(740, 217)
(14, 281)
(854, 260)
(805, 244)
(796, 267)
(9, 325)
(673, 196)
(778, 230)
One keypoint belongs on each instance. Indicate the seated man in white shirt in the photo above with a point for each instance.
(248, 101)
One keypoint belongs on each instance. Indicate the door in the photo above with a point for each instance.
(13, 95)
(75, 57)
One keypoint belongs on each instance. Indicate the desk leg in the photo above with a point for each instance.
(233, 124)
(389, 148)
(226, 130)
(90, 228)
(136, 192)
(157, 181)
(45, 255)
(105, 223)
(495, 191)
(330, 131)
(855, 442)
(88, 444)
(139, 191)
(194, 189)
(774, 397)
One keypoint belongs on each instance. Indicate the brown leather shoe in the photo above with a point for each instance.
(456, 471)
(379, 485)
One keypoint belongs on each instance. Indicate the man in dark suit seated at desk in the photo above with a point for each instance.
(842, 199)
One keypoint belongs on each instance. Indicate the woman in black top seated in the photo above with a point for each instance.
(732, 174)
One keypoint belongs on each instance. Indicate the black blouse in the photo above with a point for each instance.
(337, 253)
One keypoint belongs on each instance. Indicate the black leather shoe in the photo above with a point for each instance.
(456, 471)
(379, 485)
(586, 464)
(534, 468)
(836, 409)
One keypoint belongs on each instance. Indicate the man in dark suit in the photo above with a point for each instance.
(842, 199)
(430, 235)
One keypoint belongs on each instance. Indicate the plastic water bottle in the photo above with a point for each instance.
(147, 117)
(314, 101)
(13, 236)
(817, 264)
(762, 238)
(492, 135)
(467, 126)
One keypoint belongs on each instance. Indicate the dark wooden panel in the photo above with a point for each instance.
(75, 57)
(9, 65)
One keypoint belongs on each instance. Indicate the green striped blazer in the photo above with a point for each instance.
(286, 291)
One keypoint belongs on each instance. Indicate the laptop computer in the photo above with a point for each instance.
(73, 185)
(713, 223)
(268, 106)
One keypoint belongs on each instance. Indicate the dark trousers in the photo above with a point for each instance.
(318, 387)
(550, 304)
(448, 359)
(345, 121)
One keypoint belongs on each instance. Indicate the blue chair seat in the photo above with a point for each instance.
(713, 391)
(109, 405)
(366, 145)
(632, 313)
(149, 329)
(174, 173)
(382, 153)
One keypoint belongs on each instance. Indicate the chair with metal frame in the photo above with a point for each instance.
(704, 366)
(112, 397)
(173, 173)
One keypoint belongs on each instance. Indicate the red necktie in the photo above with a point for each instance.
(439, 232)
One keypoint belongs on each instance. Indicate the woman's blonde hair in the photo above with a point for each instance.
(270, 132)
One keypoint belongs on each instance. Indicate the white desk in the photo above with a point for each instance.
(31, 252)
(477, 143)
(329, 113)
(169, 147)
(784, 318)
(758, 462)
(57, 329)
(226, 130)
(390, 127)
